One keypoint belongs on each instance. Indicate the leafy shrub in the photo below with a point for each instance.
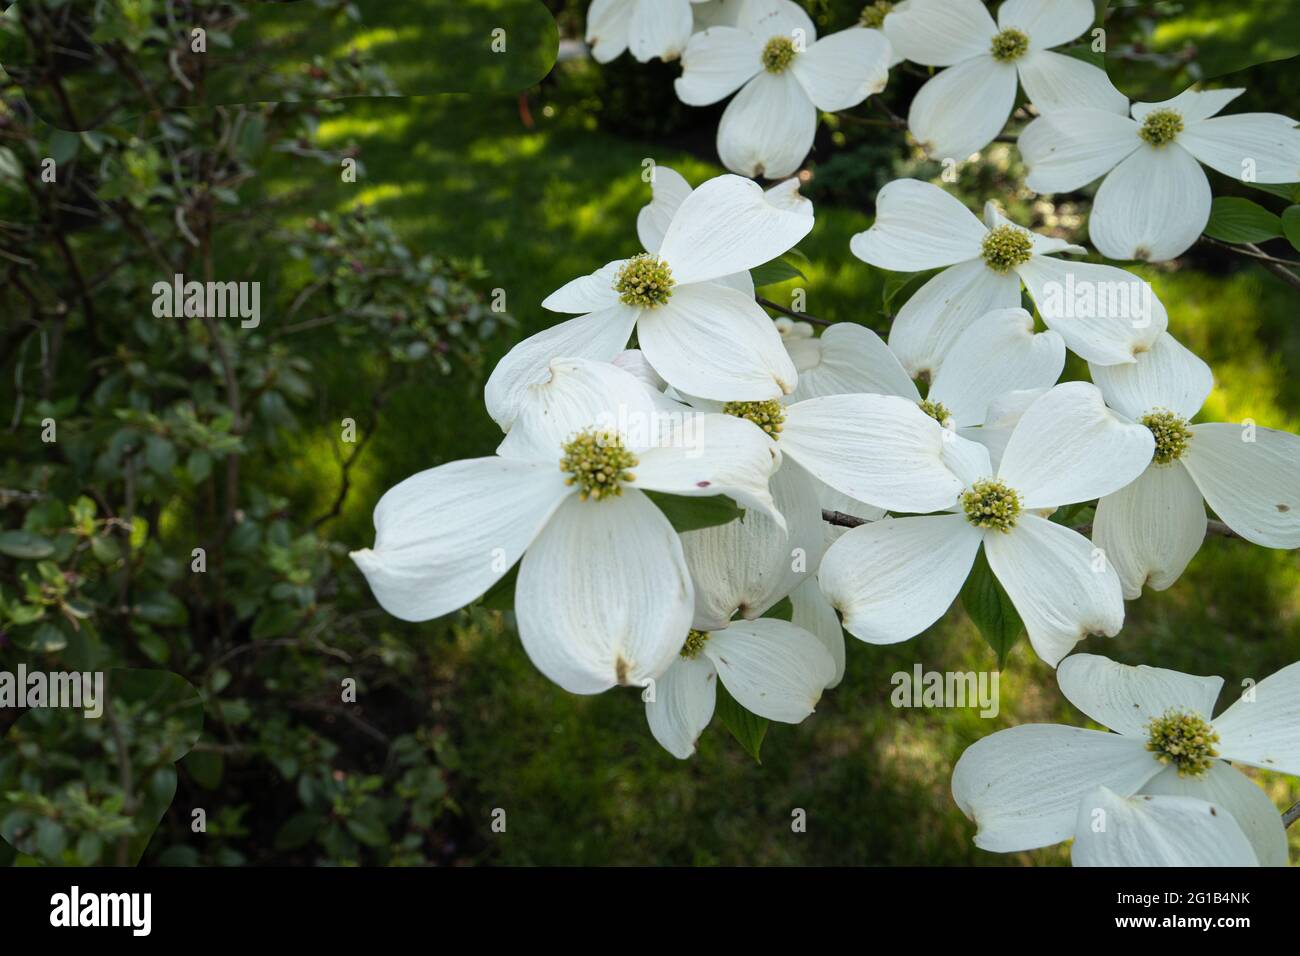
(143, 535)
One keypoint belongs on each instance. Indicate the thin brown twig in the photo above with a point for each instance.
(801, 316)
(1279, 267)
(1291, 816)
(843, 520)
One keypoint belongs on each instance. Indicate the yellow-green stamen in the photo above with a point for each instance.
(1184, 740)
(936, 410)
(873, 14)
(769, 415)
(778, 54)
(1161, 127)
(1006, 247)
(645, 281)
(992, 505)
(695, 641)
(1171, 433)
(598, 464)
(1009, 45)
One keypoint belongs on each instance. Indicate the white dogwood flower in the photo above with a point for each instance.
(651, 29)
(1250, 476)
(774, 668)
(963, 108)
(694, 325)
(892, 579)
(603, 594)
(771, 667)
(1032, 785)
(999, 352)
(1105, 314)
(1155, 199)
(785, 75)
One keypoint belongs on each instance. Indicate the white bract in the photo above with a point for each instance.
(964, 107)
(1148, 830)
(687, 296)
(879, 449)
(603, 595)
(1249, 475)
(743, 568)
(998, 353)
(773, 668)
(1155, 199)
(716, 13)
(892, 579)
(1035, 785)
(1105, 314)
(649, 28)
(785, 75)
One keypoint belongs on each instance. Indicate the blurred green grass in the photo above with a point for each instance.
(581, 779)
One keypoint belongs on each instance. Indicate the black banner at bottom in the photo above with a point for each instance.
(192, 906)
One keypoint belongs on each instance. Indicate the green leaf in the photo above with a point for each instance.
(64, 145)
(990, 609)
(274, 620)
(900, 285)
(162, 609)
(153, 647)
(1291, 225)
(501, 596)
(369, 832)
(105, 549)
(160, 455)
(686, 513)
(24, 544)
(782, 610)
(51, 839)
(47, 639)
(747, 728)
(89, 847)
(298, 831)
(199, 466)
(206, 767)
(1288, 191)
(780, 269)
(1238, 221)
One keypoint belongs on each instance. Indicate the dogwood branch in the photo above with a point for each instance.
(1282, 268)
(1291, 816)
(842, 520)
(800, 316)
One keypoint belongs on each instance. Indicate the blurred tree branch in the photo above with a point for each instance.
(1282, 268)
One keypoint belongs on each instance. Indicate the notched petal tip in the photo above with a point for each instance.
(365, 558)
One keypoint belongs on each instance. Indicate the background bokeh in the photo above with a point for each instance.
(521, 193)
